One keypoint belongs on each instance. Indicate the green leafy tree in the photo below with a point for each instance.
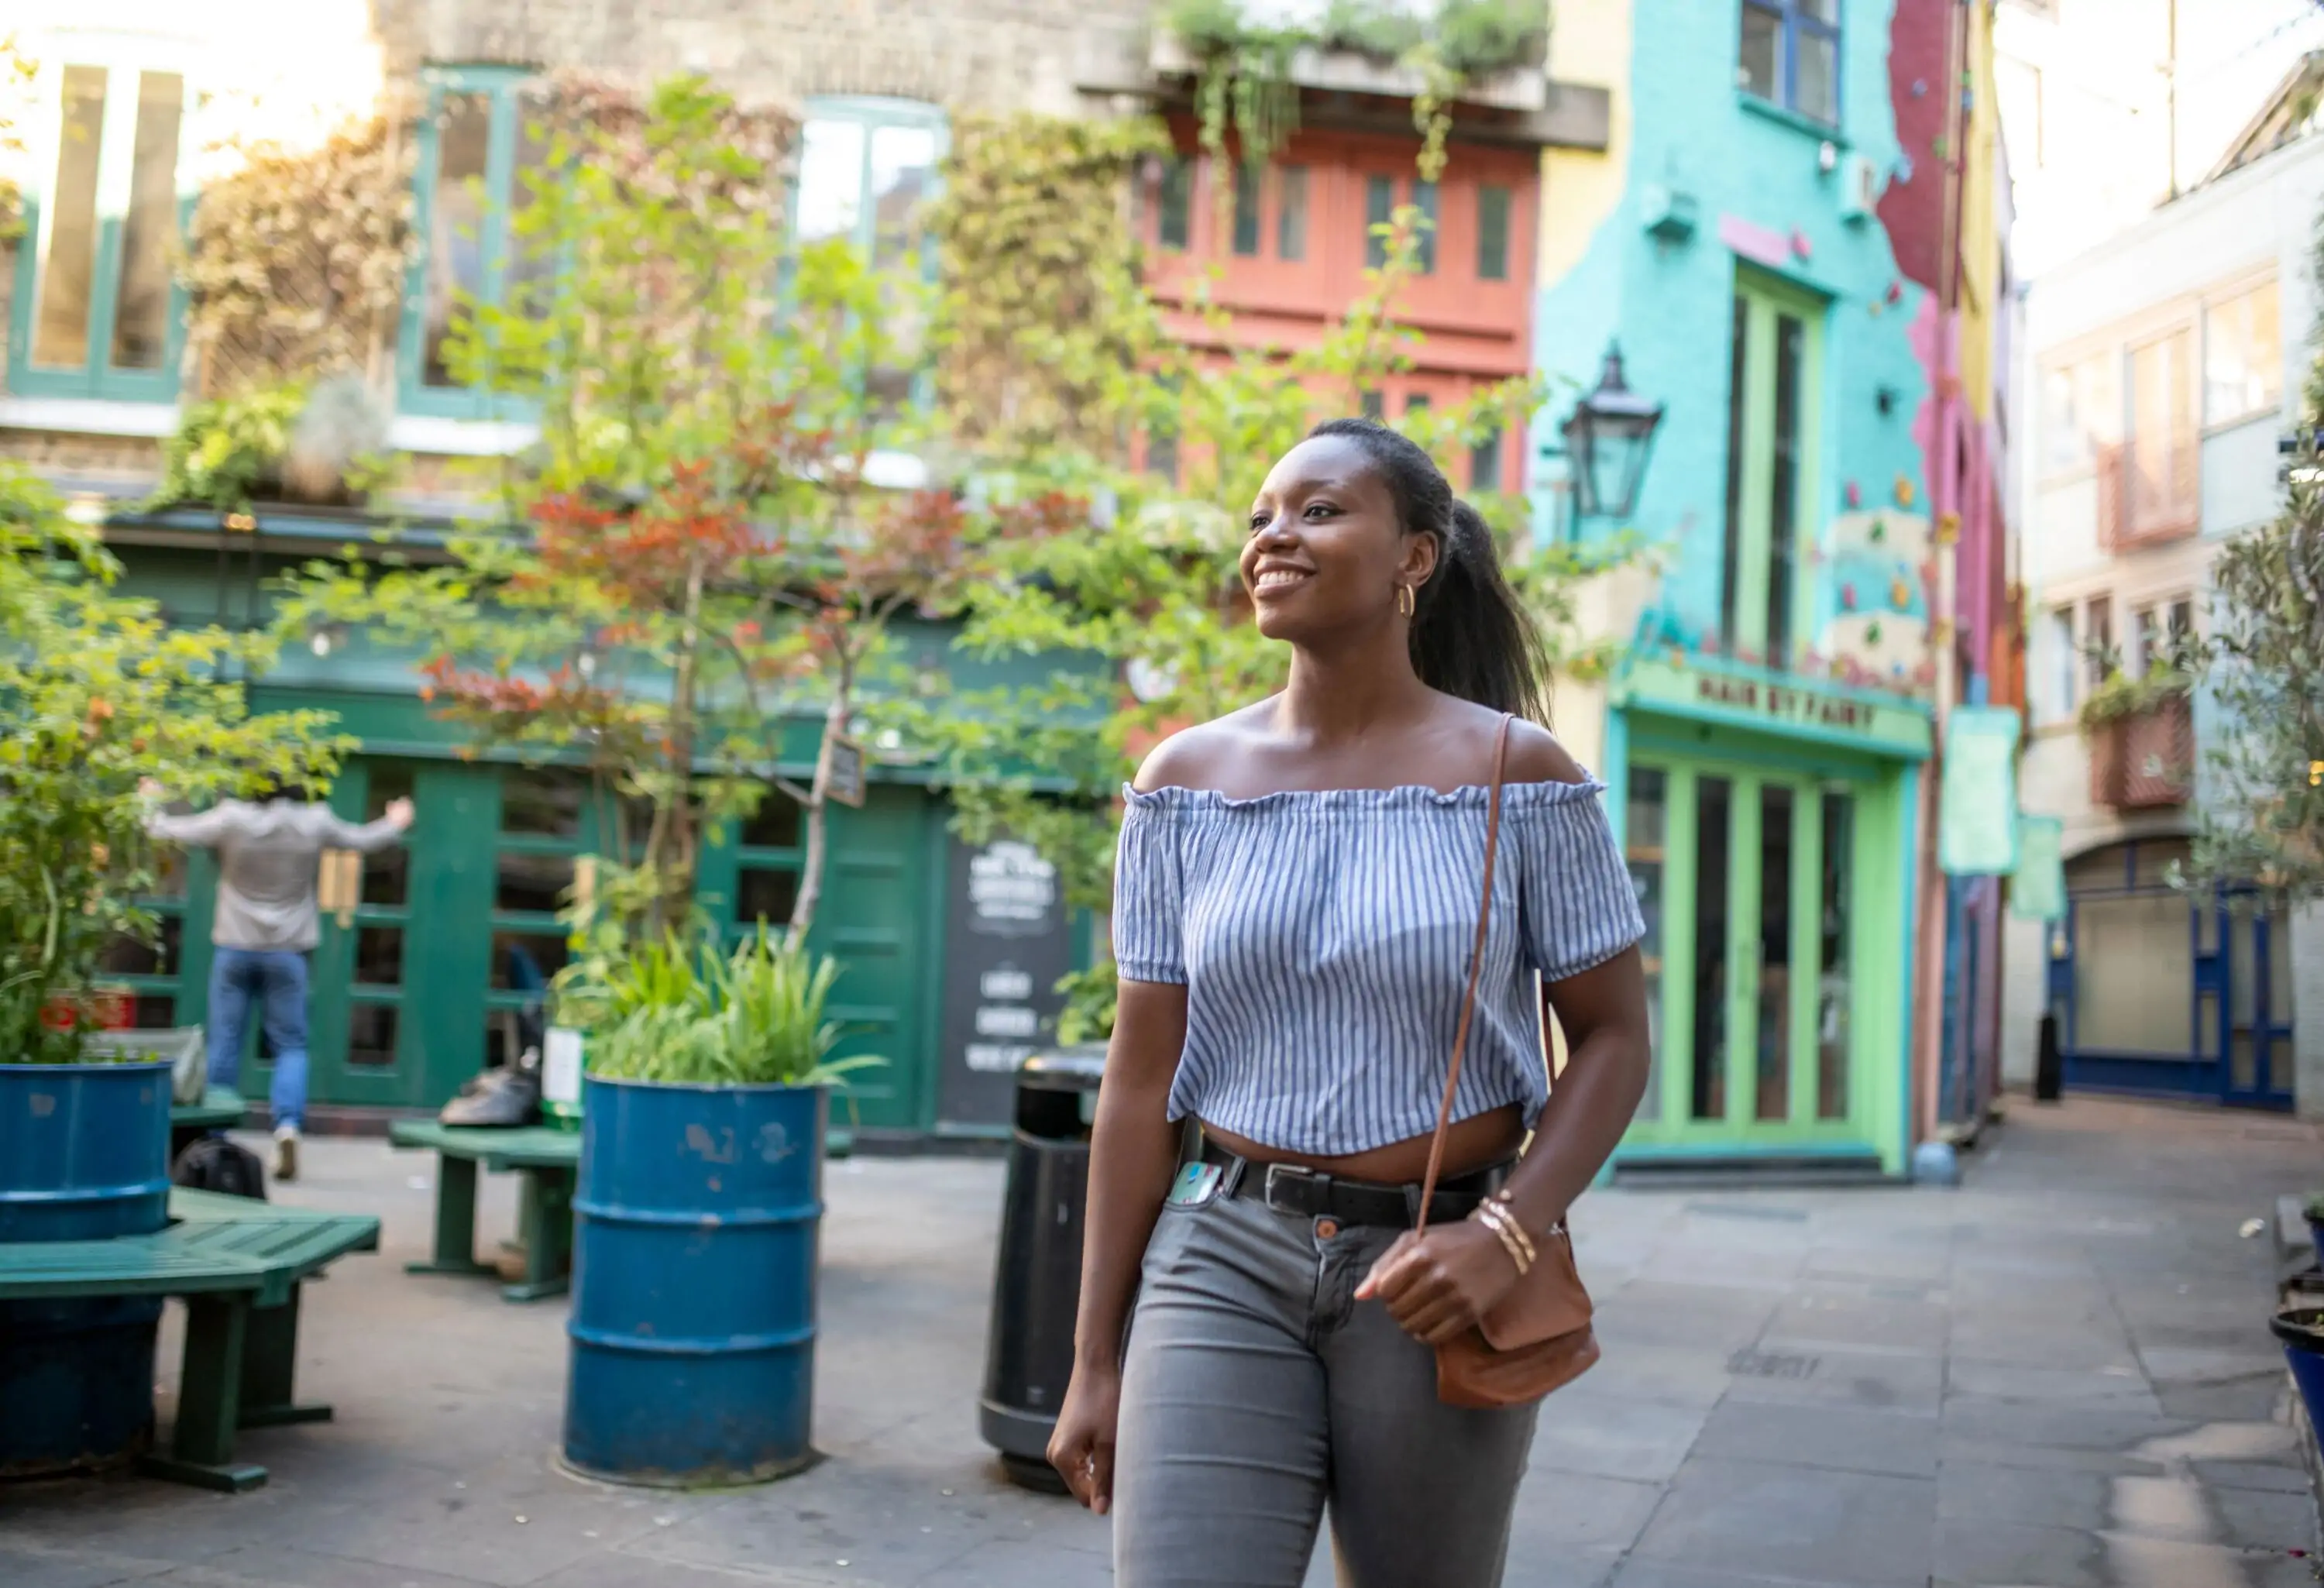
(698, 552)
(1141, 604)
(2262, 824)
(2260, 833)
(98, 692)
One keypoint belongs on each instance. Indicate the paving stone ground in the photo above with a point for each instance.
(2058, 1376)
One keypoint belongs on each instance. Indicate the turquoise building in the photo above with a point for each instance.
(1767, 243)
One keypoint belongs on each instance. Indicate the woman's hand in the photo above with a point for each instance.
(1082, 1447)
(1440, 1283)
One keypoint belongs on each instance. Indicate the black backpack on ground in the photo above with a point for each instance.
(213, 1163)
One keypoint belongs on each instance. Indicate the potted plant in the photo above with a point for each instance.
(2300, 1332)
(698, 1207)
(318, 445)
(2141, 731)
(2312, 1208)
(96, 693)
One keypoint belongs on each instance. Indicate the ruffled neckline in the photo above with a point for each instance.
(1516, 799)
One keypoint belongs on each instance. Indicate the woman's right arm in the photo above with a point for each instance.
(1133, 1152)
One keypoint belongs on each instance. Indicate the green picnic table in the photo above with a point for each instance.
(548, 1160)
(237, 1264)
(220, 1109)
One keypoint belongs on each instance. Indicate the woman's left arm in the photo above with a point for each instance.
(1603, 1015)
(1579, 904)
(1439, 1285)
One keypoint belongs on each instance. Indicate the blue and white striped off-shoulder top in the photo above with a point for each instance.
(1323, 938)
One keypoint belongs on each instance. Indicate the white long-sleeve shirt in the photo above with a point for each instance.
(267, 856)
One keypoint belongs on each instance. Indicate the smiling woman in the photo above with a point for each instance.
(1307, 976)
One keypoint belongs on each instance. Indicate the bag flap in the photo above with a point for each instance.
(1547, 1302)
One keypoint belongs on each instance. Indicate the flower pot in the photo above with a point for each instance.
(2301, 1329)
(696, 1224)
(2316, 1238)
(84, 1155)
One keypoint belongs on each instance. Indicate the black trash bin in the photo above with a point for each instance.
(1038, 1279)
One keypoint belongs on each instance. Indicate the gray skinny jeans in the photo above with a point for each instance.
(1254, 1388)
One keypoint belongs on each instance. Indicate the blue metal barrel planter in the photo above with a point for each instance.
(84, 1155)
(696, 1225)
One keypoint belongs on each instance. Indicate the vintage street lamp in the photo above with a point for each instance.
(1607, 439)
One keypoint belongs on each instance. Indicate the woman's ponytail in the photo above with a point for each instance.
(1471, 637)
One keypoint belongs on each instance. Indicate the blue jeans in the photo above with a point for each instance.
(278, 976)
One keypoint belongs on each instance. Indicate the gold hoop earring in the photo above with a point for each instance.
(1404, 601)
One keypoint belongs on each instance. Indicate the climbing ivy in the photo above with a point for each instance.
(1041, 315)
(295, 262)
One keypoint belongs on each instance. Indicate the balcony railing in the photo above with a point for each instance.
(2148, 494)
(2144, 760)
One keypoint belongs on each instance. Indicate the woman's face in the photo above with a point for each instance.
(1326, 553)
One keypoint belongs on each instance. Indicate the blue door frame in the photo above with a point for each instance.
(2205, 1069)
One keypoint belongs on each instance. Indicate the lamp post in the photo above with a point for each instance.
(1607, 439)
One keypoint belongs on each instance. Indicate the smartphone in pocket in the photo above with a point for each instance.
(1196, 1184)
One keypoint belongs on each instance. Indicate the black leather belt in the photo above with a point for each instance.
(1312, 1194)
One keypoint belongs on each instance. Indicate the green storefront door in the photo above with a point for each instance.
(880, 916)
(382, 1000)
(1759, 935)
(386, 992)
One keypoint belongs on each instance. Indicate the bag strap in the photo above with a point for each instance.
(1476, 970)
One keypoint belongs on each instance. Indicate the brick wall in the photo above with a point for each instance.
(130, 463)
(965, 54)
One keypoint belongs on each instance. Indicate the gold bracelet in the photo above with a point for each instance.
(1510, 1238)
(1501, 1215)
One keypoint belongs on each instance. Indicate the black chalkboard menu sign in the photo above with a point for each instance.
(1008, 939)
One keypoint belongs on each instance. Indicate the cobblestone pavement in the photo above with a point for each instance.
(2057, 1375)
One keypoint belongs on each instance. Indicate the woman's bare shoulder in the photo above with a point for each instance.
(1198, 757)
(1537, 757)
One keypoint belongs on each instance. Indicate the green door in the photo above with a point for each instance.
(1750, 883)
(877, 916)
(388, 992)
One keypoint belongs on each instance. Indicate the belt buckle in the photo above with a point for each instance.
(1285, 1175)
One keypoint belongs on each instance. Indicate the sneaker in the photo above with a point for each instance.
(286, 1152)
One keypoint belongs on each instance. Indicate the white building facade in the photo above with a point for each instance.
(2163, 367)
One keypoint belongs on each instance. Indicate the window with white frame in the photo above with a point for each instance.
(97, 309)
(2243, 356)
(2064, 665)
(2145, 640)
(1788, 54)
(2081, 411)
(2098, 640)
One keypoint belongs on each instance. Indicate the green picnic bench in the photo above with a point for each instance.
(549, 1161)
(220, 1109)
(237, 1264)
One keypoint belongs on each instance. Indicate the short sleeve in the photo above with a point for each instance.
(1148, 895)
(1579, 908)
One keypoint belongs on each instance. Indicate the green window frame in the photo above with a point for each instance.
(752, 869)
(1776, 496)
(107, 201)
(153, 977)
(486, 151)
(856, 159)
(1494, 206)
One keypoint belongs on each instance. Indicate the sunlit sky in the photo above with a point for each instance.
(2087, 146)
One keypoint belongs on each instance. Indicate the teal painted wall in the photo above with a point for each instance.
(1754, 174)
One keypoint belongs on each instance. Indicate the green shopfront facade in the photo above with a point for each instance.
(434, 972)
(1769, 825)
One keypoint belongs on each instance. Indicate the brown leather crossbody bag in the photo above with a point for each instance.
(1538, 1337)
